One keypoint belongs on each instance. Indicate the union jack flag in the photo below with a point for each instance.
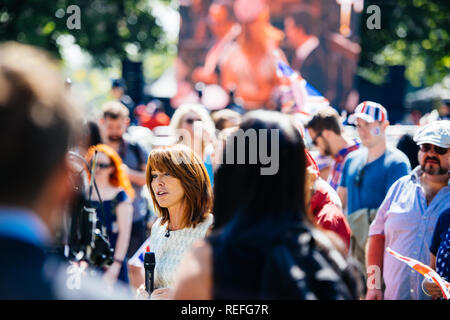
(307, 99)
(138, 258)
(424, 270)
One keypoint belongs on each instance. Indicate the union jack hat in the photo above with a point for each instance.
(370, 112)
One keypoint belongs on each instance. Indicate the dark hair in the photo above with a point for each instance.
(304, 20)
(325, 119)
(37, 122)
(408, 146)
(118, 83)
(242, 188)
(93, 133)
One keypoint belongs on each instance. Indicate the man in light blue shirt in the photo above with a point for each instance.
(407, 217)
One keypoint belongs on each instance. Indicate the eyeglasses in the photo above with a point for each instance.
(191, 121)
(314, 141)
(104, 165)
(426, 147)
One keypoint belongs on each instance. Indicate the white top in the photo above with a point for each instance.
(169, 250)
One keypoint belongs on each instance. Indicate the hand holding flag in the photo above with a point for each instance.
(424, 270)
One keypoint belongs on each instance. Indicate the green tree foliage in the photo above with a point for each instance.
(108, 27)
(414, 33)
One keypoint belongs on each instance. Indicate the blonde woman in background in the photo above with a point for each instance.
(195, 129)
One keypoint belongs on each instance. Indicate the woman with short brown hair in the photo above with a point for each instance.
(184, 165)
(181, 192)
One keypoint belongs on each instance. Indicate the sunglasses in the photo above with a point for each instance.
(104, 165)
(426, 147)
(191, 121)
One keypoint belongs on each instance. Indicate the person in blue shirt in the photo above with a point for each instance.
(368, 173)
(440, 254)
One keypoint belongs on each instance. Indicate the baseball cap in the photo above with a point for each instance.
(369, 111)
(436, 133)
(118, 83)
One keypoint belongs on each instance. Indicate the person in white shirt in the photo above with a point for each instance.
(182, 195)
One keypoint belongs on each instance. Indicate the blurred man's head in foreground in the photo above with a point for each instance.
(37, 126)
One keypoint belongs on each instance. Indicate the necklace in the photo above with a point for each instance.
(167, 234)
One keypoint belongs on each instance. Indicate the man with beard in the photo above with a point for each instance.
(325, 131)
(114, 123)
(407, 217)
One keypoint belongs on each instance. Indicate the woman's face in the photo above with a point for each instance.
(104, 167)
(168, 190)
(188, 121)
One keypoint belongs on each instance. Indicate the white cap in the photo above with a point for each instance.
(436, 133)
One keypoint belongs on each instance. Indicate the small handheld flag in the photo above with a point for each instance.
(138, 258)
(307, 99)
(424, 270)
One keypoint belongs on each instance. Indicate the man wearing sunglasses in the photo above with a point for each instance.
(368, 173)
(407, 217)
(325, 131)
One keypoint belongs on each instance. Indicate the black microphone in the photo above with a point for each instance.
(149, 266)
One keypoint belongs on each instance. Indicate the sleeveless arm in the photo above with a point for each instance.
(124, 216)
